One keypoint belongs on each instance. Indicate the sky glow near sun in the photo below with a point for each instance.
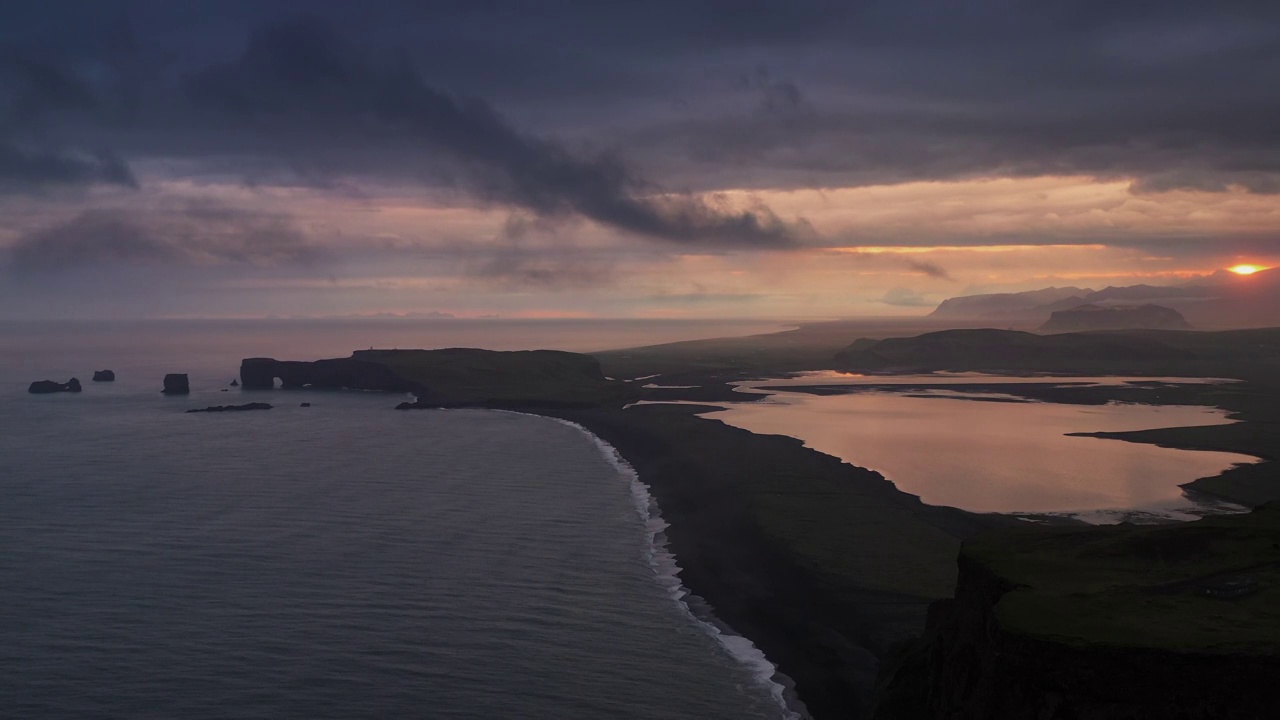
(491, 177)
(1246, 269)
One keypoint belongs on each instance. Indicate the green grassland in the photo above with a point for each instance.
(1142, 586)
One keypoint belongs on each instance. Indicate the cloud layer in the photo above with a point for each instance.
(674, 147)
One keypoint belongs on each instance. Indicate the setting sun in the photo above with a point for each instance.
(1246, 269)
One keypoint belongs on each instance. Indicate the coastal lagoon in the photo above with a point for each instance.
(991, 452)
(339, 560)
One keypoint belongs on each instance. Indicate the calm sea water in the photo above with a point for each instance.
(999, 456)
(338, 561)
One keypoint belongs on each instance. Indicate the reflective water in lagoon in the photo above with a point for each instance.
(998, 456)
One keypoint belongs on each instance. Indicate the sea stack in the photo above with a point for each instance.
(176, 384)
(104, 376)
(45, 387)
(235, 383)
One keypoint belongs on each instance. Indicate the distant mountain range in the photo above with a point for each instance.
(1083, 318)
(1221, 300)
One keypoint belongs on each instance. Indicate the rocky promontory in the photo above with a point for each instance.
(104, 376)
(455, 377)
(46, 387)
(1111, 622)
(336, 374)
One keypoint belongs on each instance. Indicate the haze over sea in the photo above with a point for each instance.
(342, 560)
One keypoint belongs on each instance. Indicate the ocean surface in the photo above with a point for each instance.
(337, 561)
(964, 450)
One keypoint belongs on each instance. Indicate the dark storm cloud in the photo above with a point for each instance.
(198, 234)
(25, 170)
(300, 73)
(931, 269)
(688, 94)
(31, 92)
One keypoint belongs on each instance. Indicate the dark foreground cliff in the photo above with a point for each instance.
(1103, 623)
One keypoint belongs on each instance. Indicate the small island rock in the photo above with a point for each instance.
(45, 387)
(233, 408)
(104, 376)
(235, 383)
(176, 384)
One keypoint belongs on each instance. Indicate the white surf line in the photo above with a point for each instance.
(666, 570)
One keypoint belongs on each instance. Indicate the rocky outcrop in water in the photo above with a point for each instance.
(46, 387)
(104, 376)
(176, 384)
(233, 408)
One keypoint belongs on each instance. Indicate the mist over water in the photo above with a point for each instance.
(343, 560)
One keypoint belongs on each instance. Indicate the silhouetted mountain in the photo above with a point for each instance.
(1001, 305)
(1115, 352)
(1150, 293)
(1221, 300)
(1087, 317)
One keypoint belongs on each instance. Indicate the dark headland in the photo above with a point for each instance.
(829, 568)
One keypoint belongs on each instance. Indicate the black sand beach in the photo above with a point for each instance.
(824, 566)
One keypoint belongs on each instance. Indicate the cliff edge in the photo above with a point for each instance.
(455, 377)
(1102, 623)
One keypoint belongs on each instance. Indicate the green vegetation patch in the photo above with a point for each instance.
(1211, 585)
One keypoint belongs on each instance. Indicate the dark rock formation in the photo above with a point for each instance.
(45, 387)
(337, 374)
(1084, 318)
(176, 384)
(235, 383)
(104, 376)
(1132, 622)
(305, 405)
(455, 377)
(233, 408)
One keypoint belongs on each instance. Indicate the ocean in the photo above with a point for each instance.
(336, 561)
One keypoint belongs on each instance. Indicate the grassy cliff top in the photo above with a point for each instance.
(1210, 585)
(470, 376)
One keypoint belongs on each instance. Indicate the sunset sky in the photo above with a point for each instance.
(666, 158)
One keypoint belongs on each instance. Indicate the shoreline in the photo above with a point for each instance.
(825, 627)
(666, 568)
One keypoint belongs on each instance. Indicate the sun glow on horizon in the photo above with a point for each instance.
(1245, 269)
